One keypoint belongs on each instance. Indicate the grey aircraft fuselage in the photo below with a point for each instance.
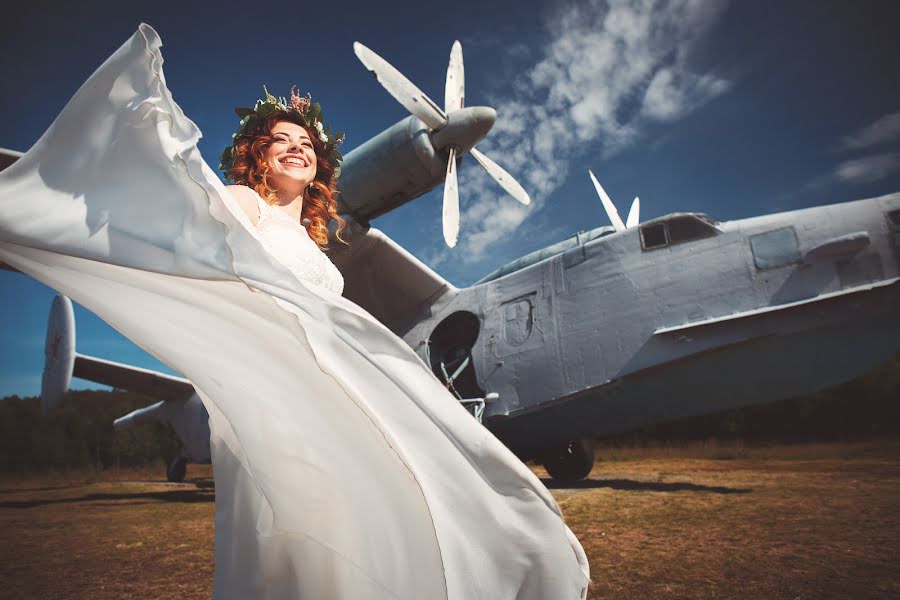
(609, 331)
(680, 316)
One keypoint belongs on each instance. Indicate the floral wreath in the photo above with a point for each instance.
(310, 114)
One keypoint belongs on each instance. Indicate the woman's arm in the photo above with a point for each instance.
(246, 199)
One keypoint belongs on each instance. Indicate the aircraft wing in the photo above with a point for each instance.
(386, 280)
(134, 379)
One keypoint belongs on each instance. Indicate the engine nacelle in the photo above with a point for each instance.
(389, 170)
(405, 161)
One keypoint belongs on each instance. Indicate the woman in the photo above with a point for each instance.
(343, 468)
(286, 168)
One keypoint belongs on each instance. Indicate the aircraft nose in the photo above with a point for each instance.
(465, 127)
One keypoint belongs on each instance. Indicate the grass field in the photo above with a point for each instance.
(704, 521)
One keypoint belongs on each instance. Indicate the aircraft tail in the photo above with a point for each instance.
(59, 353)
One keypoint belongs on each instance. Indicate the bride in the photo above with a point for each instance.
(286, 169)
(343, 468)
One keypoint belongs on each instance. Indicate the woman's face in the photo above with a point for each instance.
(291, 158)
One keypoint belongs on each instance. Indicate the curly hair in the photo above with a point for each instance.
(249, 168)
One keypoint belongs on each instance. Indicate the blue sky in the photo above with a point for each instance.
(731, 108)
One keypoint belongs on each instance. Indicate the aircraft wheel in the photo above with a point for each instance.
(177, 469)
(571, 462)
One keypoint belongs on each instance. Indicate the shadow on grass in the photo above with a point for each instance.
(630, 485)
(52, 488)
(182, 495)
(199, 482)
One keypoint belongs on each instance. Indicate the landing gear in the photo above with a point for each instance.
(177, 469)
(570, 462)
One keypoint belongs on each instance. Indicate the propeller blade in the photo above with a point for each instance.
(505, 180)
(455, 90)
(451, 202)
(401, 88)
(634, 215)
(611, 211)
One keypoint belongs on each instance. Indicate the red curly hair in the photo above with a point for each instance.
(249, 168)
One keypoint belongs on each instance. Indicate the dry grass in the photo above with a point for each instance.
(709, 521)
(117, 538)
(803, 522)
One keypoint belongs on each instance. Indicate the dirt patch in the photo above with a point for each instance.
(781, 522)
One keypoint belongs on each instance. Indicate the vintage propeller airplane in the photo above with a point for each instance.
(608, 330)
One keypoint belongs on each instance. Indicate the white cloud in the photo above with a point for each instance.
(885, 129)
(869, 168)
(608, 70)
(672, 94)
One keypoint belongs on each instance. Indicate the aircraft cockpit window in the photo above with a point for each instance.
(687, 228)
(775, 248)
(654, 236)
(677, 230)
(894, 218)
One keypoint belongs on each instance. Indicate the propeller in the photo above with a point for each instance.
(634, 214)
(435, 118)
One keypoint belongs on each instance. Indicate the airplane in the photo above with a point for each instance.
(608, 330)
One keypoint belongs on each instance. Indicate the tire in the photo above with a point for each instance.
(570, 462)
(177, 469)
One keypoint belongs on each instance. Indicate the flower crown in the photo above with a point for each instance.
(310, 114)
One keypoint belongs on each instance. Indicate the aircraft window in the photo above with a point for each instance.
(684, 229)
(775, 248)
(894, 218)
(513, 266)
(559, 247)
(654, 236)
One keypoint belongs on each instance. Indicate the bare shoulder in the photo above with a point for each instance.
(246, 199)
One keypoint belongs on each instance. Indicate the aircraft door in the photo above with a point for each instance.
(450, 354)
(521, 362)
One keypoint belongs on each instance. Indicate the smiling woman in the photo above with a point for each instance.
(343, 467)
(286, 161)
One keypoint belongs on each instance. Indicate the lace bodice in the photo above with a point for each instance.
(287, 240)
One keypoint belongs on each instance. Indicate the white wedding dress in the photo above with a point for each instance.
(287, 241)
(343, 468)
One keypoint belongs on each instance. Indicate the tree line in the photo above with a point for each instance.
(864, 408)
(79, 433)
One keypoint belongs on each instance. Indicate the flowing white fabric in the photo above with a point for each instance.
(343, 468)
